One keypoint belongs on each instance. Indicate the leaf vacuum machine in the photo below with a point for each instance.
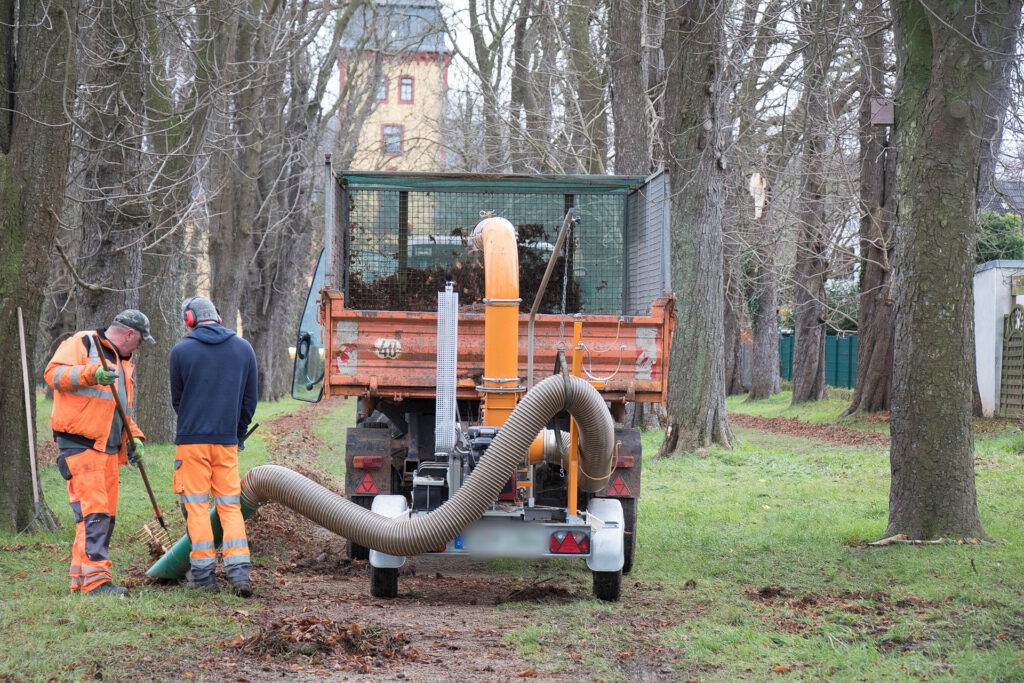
(492, 329)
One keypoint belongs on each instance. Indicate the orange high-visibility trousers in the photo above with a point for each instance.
(92, 490)
(200, 469)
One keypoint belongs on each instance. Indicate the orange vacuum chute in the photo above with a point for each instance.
(501, 387)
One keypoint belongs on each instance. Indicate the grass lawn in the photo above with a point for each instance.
(47, 632)
(751, 564)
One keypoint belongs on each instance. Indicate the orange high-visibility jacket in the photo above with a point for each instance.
(80, 405)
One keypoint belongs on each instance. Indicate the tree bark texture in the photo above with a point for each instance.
(764, 291)
(752, 152)
(236, 173)
(877, 207)
(821, 21)
(631, 106)
(106, 241)
(521, 94)
(185, 112)
(734, 311)
(589, 137)
(949, 63)
(37, 83)
(696, 381)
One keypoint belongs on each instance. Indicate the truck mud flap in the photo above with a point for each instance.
(371, 456)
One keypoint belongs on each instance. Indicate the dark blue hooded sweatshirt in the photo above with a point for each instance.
(214, 386)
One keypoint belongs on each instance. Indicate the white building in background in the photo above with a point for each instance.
(992, 300)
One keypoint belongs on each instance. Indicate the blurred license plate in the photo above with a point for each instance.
(506, 540)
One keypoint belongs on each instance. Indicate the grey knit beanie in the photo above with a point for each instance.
(202, 308)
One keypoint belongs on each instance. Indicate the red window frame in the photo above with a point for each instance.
(384, 139)
(402, 82)
(385, 84)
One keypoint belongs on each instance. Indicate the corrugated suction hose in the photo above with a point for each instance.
(420, 534)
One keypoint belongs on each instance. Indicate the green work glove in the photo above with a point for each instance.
(135, 457)
(105, 377)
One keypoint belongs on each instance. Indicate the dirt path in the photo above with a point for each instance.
(313, 617)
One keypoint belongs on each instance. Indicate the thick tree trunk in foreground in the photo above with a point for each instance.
(945, 85)
(696, 380)
(877, 180)
(37, 81)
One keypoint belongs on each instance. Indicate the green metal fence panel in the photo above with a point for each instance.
(840, 359)
(786, 357)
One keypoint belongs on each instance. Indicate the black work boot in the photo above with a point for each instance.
(203, 578)
(238, 575)
(242, 589)
(108, 588)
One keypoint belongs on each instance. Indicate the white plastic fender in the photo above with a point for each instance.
(608, 527)
(392, 507)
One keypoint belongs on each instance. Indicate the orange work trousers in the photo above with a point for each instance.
(201, 469)
(92, 490)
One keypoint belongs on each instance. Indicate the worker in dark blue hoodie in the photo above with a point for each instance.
(214, 388)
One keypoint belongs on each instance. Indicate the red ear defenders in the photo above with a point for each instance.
(190, 316)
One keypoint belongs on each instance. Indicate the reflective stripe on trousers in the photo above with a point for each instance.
(202, 469)
(92, 491)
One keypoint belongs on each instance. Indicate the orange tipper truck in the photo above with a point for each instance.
(491, 327)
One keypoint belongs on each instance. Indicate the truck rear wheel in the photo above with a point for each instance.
(629, 538)
(607, 585)
(384, 582)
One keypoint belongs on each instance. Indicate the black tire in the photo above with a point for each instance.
(356, 551)
(629, 539)
(384, 582)
(607, 585)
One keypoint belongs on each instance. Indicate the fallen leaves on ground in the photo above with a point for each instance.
(361, 646)
(791, 426)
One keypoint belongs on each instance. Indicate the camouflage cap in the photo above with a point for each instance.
(136, 320)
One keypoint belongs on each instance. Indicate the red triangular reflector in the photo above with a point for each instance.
(619, 488)
(367, 486)
(569, 544)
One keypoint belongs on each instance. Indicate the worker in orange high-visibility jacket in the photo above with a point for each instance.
(213, 390)
(90, 437)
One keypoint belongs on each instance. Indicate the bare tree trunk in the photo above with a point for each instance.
(942, 100)
(750, 53)
(176, 144)
(235, 165)
(589, 138)
(764, 371)
(734, 312)
(821, 22)
(630, 103)
(37, 83)
(521, 100)
(693, 51)
(107, 239)
(877, 178)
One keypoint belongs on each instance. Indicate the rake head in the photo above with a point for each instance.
(152, 534)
